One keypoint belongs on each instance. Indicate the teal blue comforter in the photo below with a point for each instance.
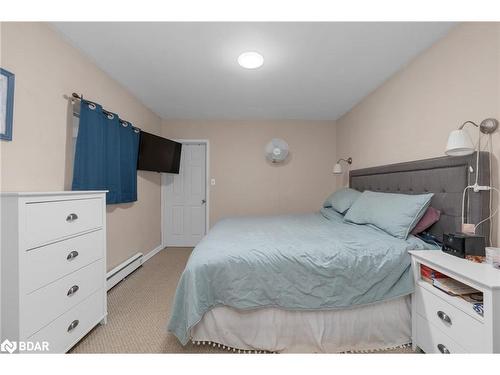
(297, 262)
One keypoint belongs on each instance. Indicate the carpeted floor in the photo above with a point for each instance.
(139, 308)
(138, 311)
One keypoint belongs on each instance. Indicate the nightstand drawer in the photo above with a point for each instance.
(432, 340)
(461, 327)
(51, 221)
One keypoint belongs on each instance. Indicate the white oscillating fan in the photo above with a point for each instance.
(276, 150)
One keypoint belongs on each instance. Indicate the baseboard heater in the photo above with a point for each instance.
(122, 270)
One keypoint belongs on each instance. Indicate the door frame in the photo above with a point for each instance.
(206, 142)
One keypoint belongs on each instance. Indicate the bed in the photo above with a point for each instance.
(312, 282)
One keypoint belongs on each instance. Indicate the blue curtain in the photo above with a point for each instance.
(129, 143)
(106, 154)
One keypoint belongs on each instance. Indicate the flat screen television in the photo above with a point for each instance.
(158, 154)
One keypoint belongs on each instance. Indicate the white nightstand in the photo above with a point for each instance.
(445, 324)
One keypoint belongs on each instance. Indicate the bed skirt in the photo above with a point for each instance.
(367, 328)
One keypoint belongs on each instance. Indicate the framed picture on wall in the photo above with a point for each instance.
(6, 104)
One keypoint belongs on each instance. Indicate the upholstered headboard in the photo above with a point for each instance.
(446, 177)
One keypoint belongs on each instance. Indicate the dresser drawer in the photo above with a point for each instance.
(432, 340)
(455, 323)
(61, 336)
(50, 221)
(46, 264)
(42, 306)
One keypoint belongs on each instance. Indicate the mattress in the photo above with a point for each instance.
(373, 327)
(292, 262)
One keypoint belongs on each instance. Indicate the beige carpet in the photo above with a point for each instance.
(139, 308)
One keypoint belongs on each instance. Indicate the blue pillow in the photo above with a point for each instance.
(396, 214)
(342, 199)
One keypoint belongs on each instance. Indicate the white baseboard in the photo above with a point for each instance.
(124, 269)
(152, 253)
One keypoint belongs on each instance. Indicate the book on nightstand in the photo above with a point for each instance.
(453, 287)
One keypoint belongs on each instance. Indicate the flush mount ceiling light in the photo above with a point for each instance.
(251, 60)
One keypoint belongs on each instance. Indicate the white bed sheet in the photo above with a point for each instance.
(373, 327)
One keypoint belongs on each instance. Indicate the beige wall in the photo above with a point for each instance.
(407, 118)
(411, 115)
(46, 69)
(245, 182)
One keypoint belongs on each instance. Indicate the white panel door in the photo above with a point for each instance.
(185, 199)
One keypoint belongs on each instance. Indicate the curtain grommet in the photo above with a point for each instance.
(124, 124)
(92, 106)
(110, 116)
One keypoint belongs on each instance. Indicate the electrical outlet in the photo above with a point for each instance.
(212, 182)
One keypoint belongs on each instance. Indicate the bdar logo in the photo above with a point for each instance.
(8, 346)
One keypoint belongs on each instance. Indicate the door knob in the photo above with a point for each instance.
(203, 201)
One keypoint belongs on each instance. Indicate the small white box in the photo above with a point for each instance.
(493, 256)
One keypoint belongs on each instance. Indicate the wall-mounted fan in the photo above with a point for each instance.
(276, 150)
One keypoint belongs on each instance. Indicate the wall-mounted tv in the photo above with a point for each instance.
(158, 154)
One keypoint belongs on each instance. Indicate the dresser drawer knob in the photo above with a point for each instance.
(444, 317)
(443, 349)
(71, 217)
(72, 255)
(73, 325)
(73, 290)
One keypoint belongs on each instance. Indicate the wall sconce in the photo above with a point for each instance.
(460, 144)
(337, 169)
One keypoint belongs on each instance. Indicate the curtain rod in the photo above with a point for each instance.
(75, 96)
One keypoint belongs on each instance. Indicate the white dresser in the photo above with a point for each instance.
(53, 267)
(447, 324)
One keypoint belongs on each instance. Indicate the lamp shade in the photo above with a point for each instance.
(459, 144)
(337, 169)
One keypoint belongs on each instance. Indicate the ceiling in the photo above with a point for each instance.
(313, 71)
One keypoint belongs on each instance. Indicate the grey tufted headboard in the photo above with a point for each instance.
(446, 177)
